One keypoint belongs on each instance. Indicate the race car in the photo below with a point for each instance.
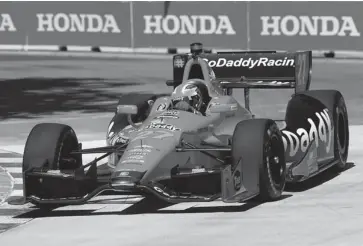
(198, 143)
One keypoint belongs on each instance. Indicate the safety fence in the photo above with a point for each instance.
(236, 25)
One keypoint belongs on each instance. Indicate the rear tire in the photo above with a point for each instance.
(335, 103)
(341, 133)
(259, 143)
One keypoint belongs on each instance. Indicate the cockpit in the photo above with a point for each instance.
(195, 90)
(191, 96)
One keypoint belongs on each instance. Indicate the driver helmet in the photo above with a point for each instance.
(188, 93)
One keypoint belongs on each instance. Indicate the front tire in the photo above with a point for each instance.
(259, 143)
(49, 146)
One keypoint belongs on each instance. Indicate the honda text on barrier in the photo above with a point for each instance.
(198, 143)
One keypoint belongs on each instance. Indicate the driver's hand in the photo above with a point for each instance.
(186, 107)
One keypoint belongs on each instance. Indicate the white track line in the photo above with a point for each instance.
(16, 207)
(16, 193)
(187, 205)
(180, 206)
(81, 207)
(78, 117)
(15, 160)
(112, 208)
(4, 151)
(11, 220)
(13, 169)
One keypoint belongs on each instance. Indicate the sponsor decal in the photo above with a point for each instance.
(134, 157)
(6, 23)
(291, 25)
(64, 22)
(198, 170)
(178, 62)
(119, 138)
(170, 113)
(152, 134)
(122, 139)
(167, 116)
(159, 190)
(157, 120)
(188, 24)
(303, 137)
(139, 151)
(233, 107)
(142, 147)
(162, 126)
(124, 173)
(237, 180)
(161, 107)
(251, 63)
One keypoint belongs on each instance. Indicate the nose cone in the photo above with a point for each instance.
(145, 151)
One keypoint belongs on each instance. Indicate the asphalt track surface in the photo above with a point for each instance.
(82, 92)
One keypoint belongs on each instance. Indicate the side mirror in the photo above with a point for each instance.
(223, 108)
(127, 109)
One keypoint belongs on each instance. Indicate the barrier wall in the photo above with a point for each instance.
(236, 25)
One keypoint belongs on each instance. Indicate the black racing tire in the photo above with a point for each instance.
(49, 145)
(335, 103)
(259, 142)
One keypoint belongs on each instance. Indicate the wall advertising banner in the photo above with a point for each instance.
(177, 24)
(306, 25)
(79, 23)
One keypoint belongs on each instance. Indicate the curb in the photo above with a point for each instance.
(343, 54)
(7, 182)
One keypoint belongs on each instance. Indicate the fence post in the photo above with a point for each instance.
(26, 45)
(248, 25)
(132, 25)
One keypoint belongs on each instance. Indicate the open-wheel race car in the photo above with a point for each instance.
(199, 143)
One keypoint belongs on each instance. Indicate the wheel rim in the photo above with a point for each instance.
(274, 160)
(66, 159)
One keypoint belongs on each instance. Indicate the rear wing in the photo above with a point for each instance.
(253, 69)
